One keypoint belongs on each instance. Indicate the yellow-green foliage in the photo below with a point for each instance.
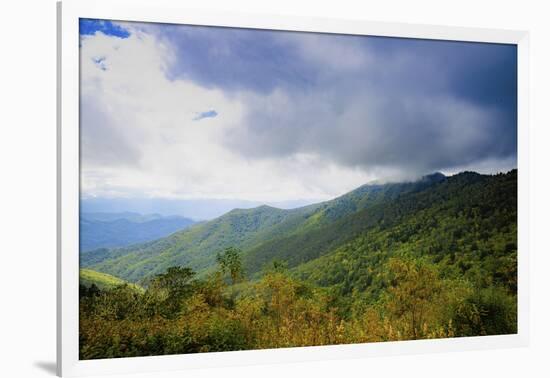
(103, 281)
(280, 311)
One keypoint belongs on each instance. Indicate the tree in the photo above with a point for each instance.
(177, 281)
(230, 262)
(276, 266)
(413, 295)
(92, 291)
(171, 289)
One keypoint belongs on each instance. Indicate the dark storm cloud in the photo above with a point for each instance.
(420, 134)
(369, 102)
(233, 59)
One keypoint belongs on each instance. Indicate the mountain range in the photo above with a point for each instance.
(107, 230)
(436, 216)
(197, 209)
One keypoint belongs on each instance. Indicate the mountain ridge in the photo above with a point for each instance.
(244, 228)
(265, 233)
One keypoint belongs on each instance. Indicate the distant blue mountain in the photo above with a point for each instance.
(198, 209)
(108, 230)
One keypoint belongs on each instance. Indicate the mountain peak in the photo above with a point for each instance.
(434, 177)
(256, 209)
(267, 207)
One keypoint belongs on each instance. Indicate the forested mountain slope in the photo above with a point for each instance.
(467, 225)
(435, 260)
(257, 231)
(196, 246)
(303, 235)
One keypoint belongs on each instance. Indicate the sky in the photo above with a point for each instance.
(187, 112)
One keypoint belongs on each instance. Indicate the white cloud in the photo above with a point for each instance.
(340, 114)
(139, 137)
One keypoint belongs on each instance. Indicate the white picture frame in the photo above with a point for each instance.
(165, 11)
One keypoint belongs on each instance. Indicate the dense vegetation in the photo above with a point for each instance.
(435, 258)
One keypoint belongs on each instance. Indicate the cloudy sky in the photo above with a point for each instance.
(186, 112)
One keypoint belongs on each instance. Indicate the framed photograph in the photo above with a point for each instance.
(239, 189)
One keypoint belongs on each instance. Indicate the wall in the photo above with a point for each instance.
(27, 200)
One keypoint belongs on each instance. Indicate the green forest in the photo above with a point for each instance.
(434, 258)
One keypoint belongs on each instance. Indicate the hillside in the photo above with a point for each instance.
(264, 233)
(334, 223)
(467, 225)
(196, 246)
(103, 281)
(431, 259)
(107, 230)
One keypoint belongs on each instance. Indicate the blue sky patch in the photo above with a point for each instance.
(90, 27)
(207, 114)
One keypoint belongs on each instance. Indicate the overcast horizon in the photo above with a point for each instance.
(188, 113)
